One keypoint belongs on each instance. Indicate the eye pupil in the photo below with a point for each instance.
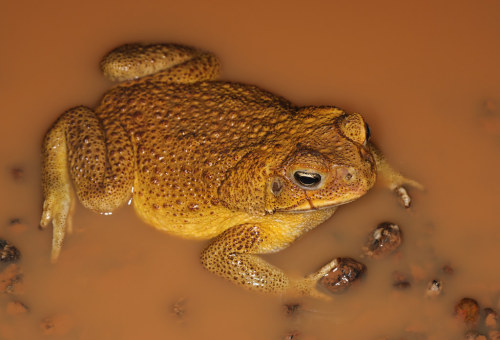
(307, 179)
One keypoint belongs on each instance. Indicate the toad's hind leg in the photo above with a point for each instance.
(171, 63)
(99, 163)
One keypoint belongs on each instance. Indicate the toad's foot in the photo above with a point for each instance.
(308, 286)
(58, 207)
(393, 178)
(58, 195)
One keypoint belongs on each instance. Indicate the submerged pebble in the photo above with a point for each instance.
(383, 240)
(17, 173)
(474, 335)
(494, 335)
(291, 309)
(467, 311)
(400, 281)
(292, 335)
(178, 309)
(448, 269)
(490, 118)
(60, 324)
(8, 253)
(490, 318)
(16, 225)
(343, 275)
(16, 308)
(434, 288)
(11, 279)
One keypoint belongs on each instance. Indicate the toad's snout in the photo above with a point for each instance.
(354, 179)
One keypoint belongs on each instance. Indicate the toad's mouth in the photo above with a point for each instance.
(310, 205)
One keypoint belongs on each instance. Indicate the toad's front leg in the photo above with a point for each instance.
(393, 178)
(233, 255)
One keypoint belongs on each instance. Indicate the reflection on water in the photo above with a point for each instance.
(424, 76)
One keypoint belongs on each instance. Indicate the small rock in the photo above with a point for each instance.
(474, 335)
(384, 240)
(490, 318)
(17, 173)
(494, 335)
(434, 288)
(467, 311)
(15, 220)
(292, 335)
(291, 309)
(8, 253)
(17, 226)
(178, 308)
(448, 269)
(60, 324)
(400, 281)
(16, 308)
(490, 119)
(11, 279)
(343, 275)
(490, 106)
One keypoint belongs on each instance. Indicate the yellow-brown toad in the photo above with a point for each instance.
(207, 159)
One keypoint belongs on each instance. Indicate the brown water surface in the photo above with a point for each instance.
(424, 74)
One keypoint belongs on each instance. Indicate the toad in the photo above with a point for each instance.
(202, 158)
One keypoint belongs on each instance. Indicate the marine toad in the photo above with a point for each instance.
(204, 159)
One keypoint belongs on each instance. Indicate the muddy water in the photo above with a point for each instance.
(425, 76)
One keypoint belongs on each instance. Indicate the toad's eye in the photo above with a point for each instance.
(368, 132)
(306, 179)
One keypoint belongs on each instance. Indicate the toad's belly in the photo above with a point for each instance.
(207, 224)
(196, 224)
